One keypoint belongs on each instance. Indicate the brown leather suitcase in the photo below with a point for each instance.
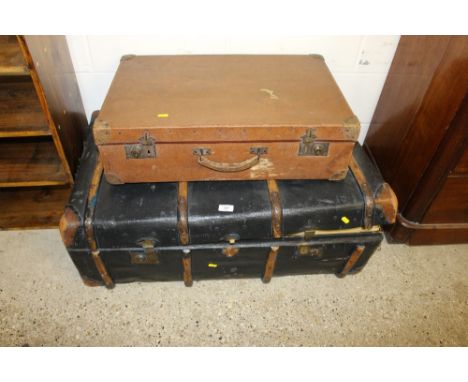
(238, 117)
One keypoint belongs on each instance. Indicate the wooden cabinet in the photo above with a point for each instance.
(42, 125)
(419, 138)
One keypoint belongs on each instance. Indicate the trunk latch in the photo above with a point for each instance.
(149, 254)
(231, 250)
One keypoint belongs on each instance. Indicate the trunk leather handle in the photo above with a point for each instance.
(228, 167)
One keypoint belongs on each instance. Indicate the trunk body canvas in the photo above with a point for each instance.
(238, 117)
(201, 230)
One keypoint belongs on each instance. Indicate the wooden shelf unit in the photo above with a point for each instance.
(30, 162)
(21, 114)
(12, 62)
(42, 126)
(32, 207)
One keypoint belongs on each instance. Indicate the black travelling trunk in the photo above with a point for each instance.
(205, 230)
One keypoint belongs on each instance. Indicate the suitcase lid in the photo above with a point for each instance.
(252, 98)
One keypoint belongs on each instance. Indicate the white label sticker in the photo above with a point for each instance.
(226, 208)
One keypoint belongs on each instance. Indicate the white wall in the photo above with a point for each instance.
(358, 63)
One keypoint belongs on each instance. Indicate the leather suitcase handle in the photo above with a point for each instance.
(228, 167)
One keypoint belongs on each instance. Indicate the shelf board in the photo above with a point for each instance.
(12, 62)
(30, 162)
(21, 114)
(32, 207)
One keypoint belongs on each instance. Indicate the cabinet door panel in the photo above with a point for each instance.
(451, 203)
(462, 166)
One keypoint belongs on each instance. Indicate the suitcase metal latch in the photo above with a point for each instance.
(149, 254)
(142, 150)
(308, 146)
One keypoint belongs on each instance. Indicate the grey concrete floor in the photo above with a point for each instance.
(405, 296)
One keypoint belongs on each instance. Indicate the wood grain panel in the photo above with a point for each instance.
(438, 237)
(409, 77)
(419, 133)
(435, 114)
(424, 88)
(451, 203)
(444, 159)
(52, 70)
(30, 162)
(462, 166)
(20, 111)
(32, 207)
(11, 58)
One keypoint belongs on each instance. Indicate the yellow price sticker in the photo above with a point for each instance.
(163, 115)
(211, 265)
(345, 220)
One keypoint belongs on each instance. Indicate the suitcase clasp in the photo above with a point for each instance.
(146, 148)
(308, 146)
